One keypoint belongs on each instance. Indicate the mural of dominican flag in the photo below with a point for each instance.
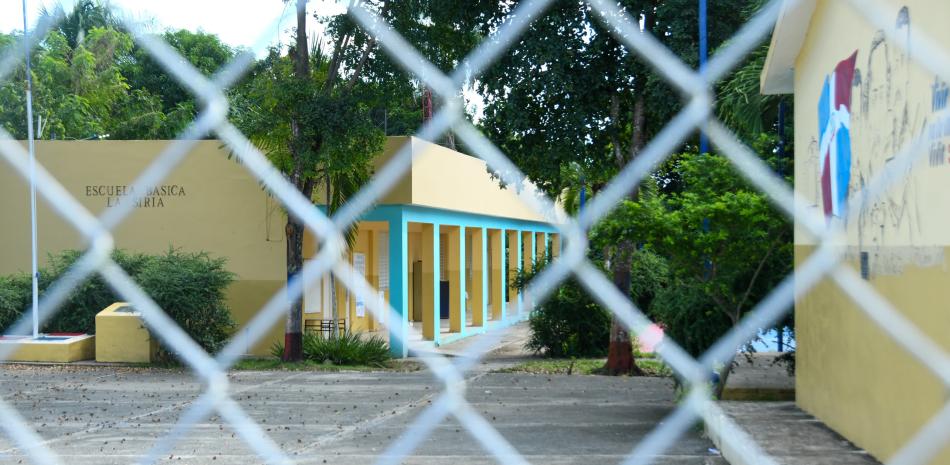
(834, 142)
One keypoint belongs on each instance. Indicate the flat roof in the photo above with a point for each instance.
(446, 179)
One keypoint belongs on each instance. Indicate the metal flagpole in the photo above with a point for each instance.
(29, 132)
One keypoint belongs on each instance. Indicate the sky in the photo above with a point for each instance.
(236, 22)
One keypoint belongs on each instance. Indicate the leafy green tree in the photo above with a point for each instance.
(586, 100)
(155, 85)
(315, 110)
(726, 247)
(744, 248)
(76, 89)
(82, 18)
(92, 80)
(300, 108)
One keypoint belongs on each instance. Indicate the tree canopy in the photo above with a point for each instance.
(90, 80)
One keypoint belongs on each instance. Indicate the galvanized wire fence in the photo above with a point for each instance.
(696, 115)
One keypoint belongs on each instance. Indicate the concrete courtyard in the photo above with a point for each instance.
(110, 415)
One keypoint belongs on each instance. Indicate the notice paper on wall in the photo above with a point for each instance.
(382, 241)
(359, 263)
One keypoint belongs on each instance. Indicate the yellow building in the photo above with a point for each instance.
(447, 206)
(860, 98)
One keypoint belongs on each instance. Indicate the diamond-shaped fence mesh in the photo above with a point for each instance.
(697, 90)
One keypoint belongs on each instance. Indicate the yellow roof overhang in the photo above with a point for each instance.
(778, 74)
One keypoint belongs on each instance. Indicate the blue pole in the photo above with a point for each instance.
(703, 142)
(583, 194)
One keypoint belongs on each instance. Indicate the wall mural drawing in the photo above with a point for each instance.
(888, 119)
(870, 106)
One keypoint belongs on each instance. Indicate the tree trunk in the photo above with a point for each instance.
(293, 333)
(334, 310)
(620, 353)
(293, 330)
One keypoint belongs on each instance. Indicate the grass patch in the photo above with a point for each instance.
(582, 366)
(271, 364)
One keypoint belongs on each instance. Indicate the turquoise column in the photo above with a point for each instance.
(485, 274)
(398, 285)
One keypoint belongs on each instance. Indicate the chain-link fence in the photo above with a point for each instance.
(696, 115)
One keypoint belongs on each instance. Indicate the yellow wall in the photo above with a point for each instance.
(849, 373)
(366, 244)
(442, 178)
(223, 211)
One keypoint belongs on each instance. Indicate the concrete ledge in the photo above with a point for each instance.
(51, 348)
(759, 377)
(123, 336)
(784, 432)
(759, 394)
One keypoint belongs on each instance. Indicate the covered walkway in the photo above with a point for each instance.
(443, 248)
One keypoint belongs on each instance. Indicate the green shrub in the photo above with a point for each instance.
(15, 295)
(347, 348)
(569, 324)
(689, 316)
(188, 286)
(78, 314)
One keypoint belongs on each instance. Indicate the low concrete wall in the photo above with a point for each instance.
(121, 336)
(73, 349)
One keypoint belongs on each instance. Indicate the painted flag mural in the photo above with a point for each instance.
(834, 141)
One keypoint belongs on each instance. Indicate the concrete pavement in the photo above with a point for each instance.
(111, 415)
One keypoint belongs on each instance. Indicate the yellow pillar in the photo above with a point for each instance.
(479, 288)
(342, 309)
(514, 264)
(498, 287)
(430, 282)
(455, 256)
(555, 245)
(527, 252)
(540, 245)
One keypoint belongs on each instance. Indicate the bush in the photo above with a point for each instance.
(689, 316)
(348, 348)
(569, 324)
(188, 286)
(15, 295)
(78, 314)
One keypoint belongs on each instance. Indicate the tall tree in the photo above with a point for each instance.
(91, 80)
(727, 247)
(303, 109)
(586, 99)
